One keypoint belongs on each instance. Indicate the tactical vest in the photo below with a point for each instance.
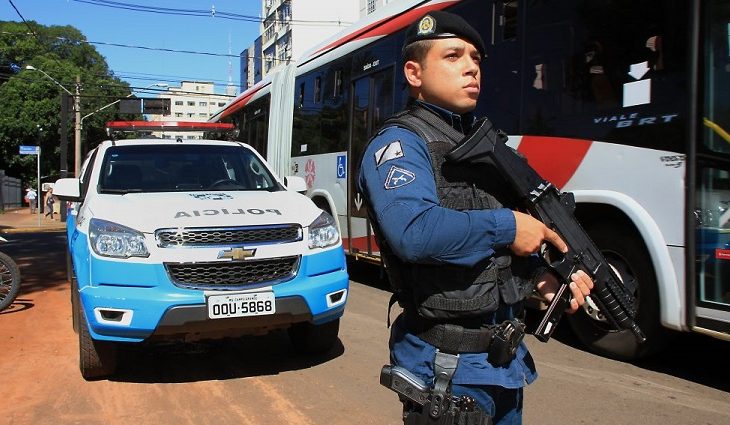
(451, 293)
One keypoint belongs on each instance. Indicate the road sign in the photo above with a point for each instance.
(30, 150)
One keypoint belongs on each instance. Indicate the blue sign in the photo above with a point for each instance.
(341, 166)
(30, 150)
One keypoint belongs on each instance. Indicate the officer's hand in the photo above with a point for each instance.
(530, 234)
(580, 285)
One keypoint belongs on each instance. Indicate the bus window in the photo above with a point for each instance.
(717, 77)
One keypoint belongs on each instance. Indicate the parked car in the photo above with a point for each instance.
(181, 239)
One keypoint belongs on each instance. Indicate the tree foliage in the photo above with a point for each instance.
(30, 111)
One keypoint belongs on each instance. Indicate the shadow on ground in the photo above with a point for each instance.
(223, 359)
(41, 257)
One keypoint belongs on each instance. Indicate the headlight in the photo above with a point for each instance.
(323, 232)
(114, 240)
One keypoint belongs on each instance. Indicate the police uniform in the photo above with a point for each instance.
(444, 235)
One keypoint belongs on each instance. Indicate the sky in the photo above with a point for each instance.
(165, 29)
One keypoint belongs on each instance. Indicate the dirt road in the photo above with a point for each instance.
(259, 380)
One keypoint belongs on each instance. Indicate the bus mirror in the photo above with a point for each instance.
(296, 184)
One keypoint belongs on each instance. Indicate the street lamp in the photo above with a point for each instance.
(77, 124)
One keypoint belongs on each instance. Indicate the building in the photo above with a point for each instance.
(369, 6)
(192, 101)
(288, 29)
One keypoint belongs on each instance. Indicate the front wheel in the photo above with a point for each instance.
(97, 359)
(628, 256)
(309, 338)
(9, 280)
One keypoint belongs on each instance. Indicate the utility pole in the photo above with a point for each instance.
(64, 147)
(77, 128)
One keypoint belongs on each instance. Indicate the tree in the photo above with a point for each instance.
(30, 110)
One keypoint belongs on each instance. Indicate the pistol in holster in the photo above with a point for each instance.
(421, 406)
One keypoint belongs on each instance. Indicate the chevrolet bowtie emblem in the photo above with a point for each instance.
(237, 253)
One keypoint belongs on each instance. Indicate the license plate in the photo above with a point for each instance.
(241, 305)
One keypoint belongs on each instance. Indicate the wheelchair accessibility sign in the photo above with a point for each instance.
(341, 166)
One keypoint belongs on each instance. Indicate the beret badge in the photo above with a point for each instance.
(426, 25)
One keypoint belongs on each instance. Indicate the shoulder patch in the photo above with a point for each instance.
(392, 151)
(398, 177)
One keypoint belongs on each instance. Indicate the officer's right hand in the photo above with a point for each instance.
(530, 234)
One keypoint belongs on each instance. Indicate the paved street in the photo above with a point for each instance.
(257, 380)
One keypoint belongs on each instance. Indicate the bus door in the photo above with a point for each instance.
(711, 212)
(372, 103)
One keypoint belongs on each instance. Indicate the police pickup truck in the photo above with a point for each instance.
(188, 239)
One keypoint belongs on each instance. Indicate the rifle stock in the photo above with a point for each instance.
(484, 145)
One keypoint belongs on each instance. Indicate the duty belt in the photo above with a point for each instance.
(499, 340)
(451, 338)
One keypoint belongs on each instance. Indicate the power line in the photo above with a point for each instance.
(24, 21)
(203, 13)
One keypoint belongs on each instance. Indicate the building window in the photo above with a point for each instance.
(221, 103)
(178, 114)
(338, 83)
(371, 6)
(191, 103)
(301, 95)
(317, 89)
(191, 114)
(202, 103)
(179, 102)
(203, 114)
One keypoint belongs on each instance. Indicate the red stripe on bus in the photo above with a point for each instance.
(556, 159)
(385, 26)
(241, 102)
(360, 244)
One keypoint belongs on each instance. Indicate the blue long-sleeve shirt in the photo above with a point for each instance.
(396, 178)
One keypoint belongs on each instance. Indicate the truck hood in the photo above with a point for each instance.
(147, 212)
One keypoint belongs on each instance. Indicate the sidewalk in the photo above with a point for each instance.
(21, 220)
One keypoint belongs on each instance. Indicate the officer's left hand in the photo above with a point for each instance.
(580, 285)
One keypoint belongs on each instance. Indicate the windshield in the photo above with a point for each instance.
(183, 168)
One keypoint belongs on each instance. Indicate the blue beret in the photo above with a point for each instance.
(440, 24)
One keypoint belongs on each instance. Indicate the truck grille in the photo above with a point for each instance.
(233, 274)
(232, 236)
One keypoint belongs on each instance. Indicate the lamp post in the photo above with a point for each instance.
(77, 118)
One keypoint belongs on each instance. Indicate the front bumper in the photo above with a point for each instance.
(152, 307)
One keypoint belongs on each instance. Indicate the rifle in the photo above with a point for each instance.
(542, 200)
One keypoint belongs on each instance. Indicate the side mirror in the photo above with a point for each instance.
(68, 190)
(296, 184)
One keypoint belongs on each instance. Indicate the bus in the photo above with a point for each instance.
(625, 104)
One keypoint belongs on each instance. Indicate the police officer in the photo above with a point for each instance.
(460, 260)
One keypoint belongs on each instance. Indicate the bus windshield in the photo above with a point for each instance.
(183, 168)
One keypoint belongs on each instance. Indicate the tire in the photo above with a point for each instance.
(308, 338)
(9, 281)
(75, 306)
(626, 253)
(97, 359)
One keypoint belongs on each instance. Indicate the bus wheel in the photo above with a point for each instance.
(631, 261)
